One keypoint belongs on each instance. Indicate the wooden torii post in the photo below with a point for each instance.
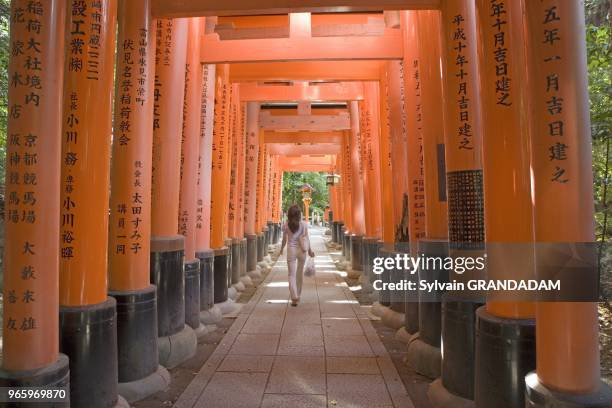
(130, 205)
(508, 209)
(31, 254)
(189, 162)
(220, 183)
(251, 191)
(167, 246)
(567, 360)
(209, 314)
(426, 94)
(463, 136)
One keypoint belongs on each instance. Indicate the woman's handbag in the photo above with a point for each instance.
(309, 269)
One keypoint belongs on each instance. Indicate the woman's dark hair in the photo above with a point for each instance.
(294, 216)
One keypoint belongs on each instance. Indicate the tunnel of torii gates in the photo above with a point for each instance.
(447, 124)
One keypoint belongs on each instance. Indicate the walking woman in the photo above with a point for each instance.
(295, 236)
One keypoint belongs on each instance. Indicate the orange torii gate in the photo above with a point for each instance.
(416, 141)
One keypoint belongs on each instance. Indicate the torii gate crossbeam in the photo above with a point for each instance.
(186, 8)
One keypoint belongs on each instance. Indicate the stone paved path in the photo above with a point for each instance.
(323, 353)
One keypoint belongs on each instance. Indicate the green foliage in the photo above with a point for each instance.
(292, 182)
(599, 60)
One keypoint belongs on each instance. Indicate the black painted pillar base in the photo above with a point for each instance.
(55, 375)
(348, 240)
(397, 297)
(230, 260)
(221, 270)
(136, 333)
(168, 275)
(371, 247)
(235, 266)
(243, 257)
(370, 251)
(192, 294)
(334, 232)
(505, 354)
(176, 341)
(384, 296)
(272, 232)
(140, 374)
(209, 314)
(266, 239)
(424, 352)
(458, 336)
(537, 395)
(207, 279)
(251, 260)
(393, 316)
(88, 336)
(357, 253)
(430, 303)
(261, 241)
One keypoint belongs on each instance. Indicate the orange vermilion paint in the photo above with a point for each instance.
(130, 200)
(506, 162)
(395, 94)
(167, 124)
(567, 333)
(33, 272)
(415, 128)
(205, 160)
(252, 152)
(220, 180)
(192, 111)
(432, 97)
(85, 157)
(346, 183)
(355, 145)
(370, 129)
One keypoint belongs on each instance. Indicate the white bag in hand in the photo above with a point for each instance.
(309, 268)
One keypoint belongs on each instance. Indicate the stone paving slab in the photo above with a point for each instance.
(263, 325)
(255, 344)
(297, 350)
(323, 353)
(239, 363)
(297, 375)
(358, 391)
(342, 326)
(234, 390)
(294, 401)
(352, 365)
(348, 346)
